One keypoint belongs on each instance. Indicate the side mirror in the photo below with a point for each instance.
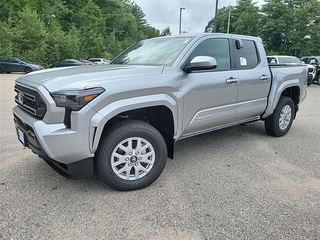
(201, 63)
(239, 43)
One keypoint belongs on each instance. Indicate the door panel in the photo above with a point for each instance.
(209, 101)
(210, 96)
(254, 81)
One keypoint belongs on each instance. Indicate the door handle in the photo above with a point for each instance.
(264, 77)
(232, 80)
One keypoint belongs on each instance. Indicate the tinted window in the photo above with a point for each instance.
(5, 59)
(247, 56)
(217, 48)
(272, 60)
(313, 61)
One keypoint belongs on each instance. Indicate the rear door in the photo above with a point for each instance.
(254, 79)
(17, 65)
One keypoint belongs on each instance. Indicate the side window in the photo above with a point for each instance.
(272, 60)
(313, 61)
(217, 48)
(247, 56)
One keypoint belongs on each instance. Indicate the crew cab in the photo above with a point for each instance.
(123, 119)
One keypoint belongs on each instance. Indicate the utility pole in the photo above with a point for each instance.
(180, 20)
(229, 20)
(216, 18)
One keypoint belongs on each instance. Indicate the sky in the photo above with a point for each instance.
(161, 14)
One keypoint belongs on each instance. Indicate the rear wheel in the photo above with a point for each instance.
(279, 123)
(131, 156)
(0, 70)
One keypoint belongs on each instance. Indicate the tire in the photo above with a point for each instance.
(125, 166)
(309, 83)
(0, 70)
(27, 70)
(279, 123)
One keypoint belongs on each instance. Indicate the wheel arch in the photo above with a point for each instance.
(291, 91)
(159, 114)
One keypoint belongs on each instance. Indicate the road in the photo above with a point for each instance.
(237, 183)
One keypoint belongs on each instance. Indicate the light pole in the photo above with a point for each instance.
(229, 20)
(180, 20)
(216, 18)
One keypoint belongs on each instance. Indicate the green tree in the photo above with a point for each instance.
(291, 27)
(6, 36)
(166, 32)
(47, 31)
(245, 18)
(29, 36)
(223, 20)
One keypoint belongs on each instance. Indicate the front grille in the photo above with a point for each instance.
(30, 101)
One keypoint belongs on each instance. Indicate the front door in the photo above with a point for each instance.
(210, 95)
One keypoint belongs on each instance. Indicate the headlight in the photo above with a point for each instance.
(76, 99)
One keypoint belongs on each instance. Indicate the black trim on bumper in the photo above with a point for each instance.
(77, 170)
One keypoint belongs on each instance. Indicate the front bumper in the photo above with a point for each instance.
(76, 164)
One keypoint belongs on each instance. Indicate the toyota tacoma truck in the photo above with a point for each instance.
(122, 120)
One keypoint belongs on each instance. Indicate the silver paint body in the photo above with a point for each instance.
(199, 101)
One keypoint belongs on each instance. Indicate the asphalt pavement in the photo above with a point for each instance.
(236, 183)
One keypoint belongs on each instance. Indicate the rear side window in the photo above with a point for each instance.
(247, 56)
(5, 60)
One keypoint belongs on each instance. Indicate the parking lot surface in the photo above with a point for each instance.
(236, 183)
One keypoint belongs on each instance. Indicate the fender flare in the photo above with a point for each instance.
(99, 120)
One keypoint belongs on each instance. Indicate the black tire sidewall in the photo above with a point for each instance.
(117, 134)
(284, 101)
(27, 70)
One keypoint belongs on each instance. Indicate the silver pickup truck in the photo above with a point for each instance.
(124, 118)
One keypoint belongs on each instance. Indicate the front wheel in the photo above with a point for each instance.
(27, 70)
(279, 123)
(131, 155)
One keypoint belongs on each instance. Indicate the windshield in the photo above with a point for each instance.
(289, 60)
(155, 51)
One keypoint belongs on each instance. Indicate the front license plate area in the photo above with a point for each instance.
(21, 136)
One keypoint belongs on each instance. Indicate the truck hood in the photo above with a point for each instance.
(84, 76)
